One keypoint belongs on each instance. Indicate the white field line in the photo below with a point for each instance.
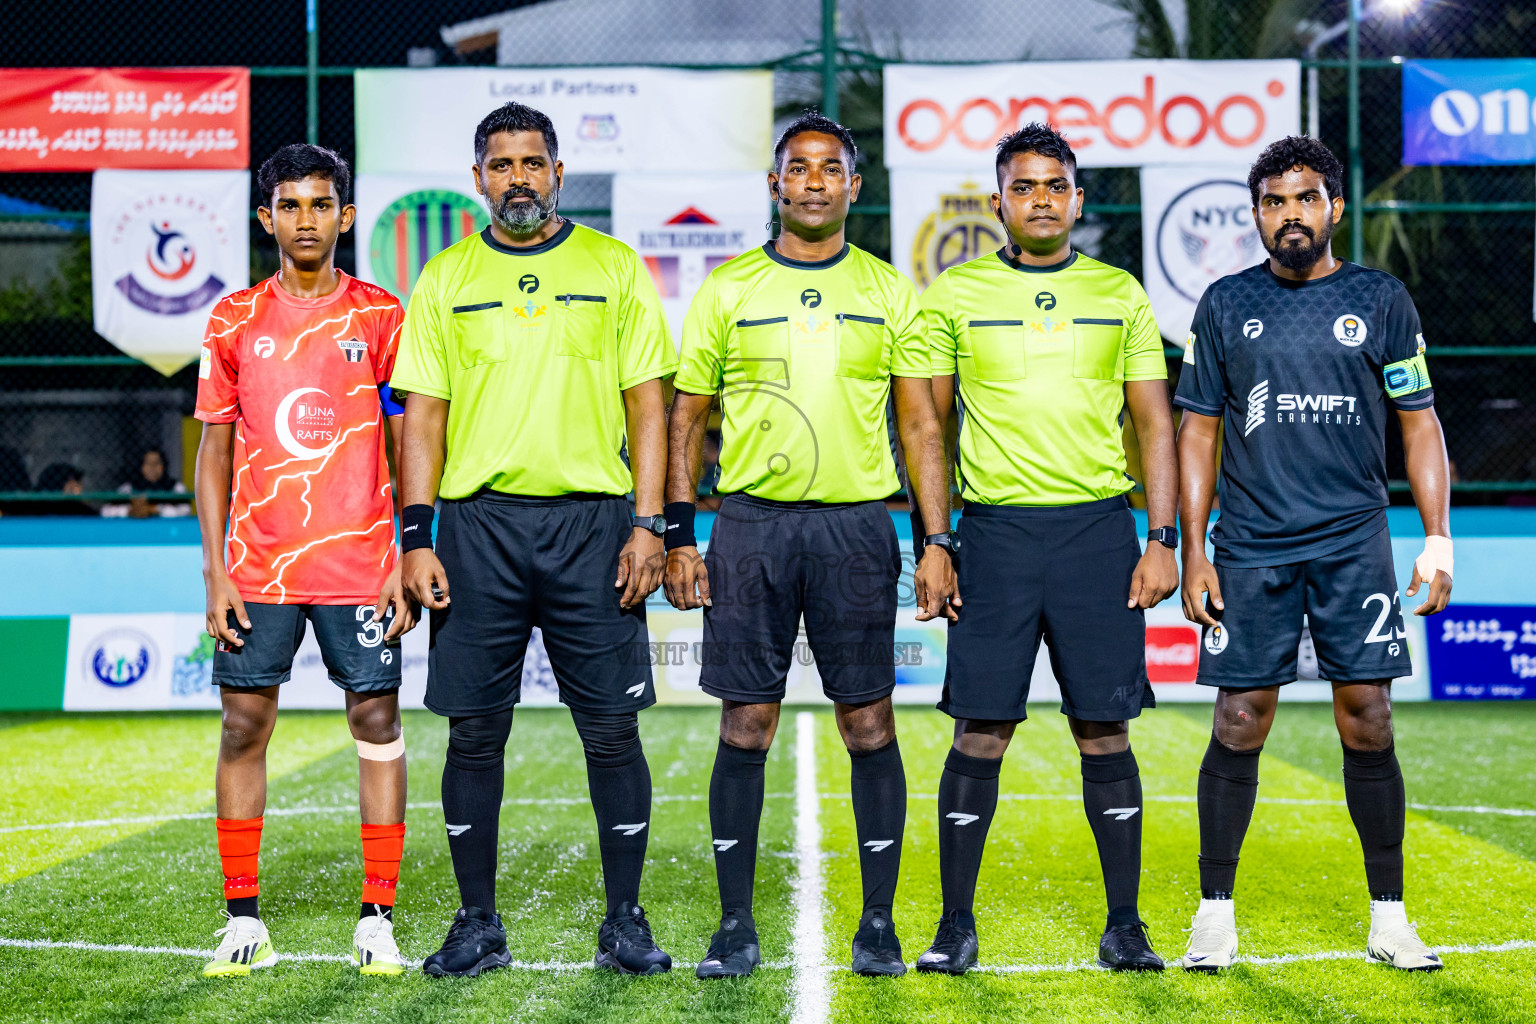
(801, 970)
(808, 980)
(1180, 798)
(283, 812)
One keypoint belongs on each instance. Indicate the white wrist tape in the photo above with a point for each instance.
(390, 751)
(1436, 558)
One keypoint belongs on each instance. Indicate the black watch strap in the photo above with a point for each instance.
(948, 541)
(655, 524)
(1167, 536)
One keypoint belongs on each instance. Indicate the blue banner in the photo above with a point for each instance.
(1469, 112)
(1483, 652)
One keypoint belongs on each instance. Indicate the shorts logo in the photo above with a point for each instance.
(1349, 330)
(1256, 399)
(1253, 328)
(1045, 300)
(1216, 638)
(810, 298)
(636, 691)
(265, 346)
(528, 284)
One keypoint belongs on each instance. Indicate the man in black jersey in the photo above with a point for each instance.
(1299, 358)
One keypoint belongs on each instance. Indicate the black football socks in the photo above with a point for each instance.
(879, 790)
(967, 802)
(1373, 789)
(735, 808)
(1228, 787)
(1112, 801)
(619, 780)
(473, 779)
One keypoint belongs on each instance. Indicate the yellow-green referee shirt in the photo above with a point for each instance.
(802, 355)
(532, 347)
(1041, 355)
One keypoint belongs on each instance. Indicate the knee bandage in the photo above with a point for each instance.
(390, 751)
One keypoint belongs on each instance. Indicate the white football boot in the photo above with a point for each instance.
(246, 947)
(373, 947)
(1213, 937)
(1395, 941)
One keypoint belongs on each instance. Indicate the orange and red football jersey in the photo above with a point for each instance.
(311, 518)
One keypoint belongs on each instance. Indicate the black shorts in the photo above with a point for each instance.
(770, 563)
(1348, 599)
(514, 563)
(1061, 574)
(351, 645)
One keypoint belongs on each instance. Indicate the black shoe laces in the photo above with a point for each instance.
(463, 931)
(636, 929)
(1136, 932)
(951, 934)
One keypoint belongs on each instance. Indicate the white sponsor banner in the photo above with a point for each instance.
(1120, 113)
(403, 220)
(166, 246)
(940, 219)
(1196, 226)
(682, 239)
(607, 119)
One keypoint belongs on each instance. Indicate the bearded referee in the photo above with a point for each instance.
(1049, 347)
(1296, 362)
(533, 354)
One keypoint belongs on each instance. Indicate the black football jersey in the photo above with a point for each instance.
(1302, 373)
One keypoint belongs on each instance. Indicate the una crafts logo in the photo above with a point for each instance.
(164, 239)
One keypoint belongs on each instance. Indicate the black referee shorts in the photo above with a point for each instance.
(514, 563)
(1061, 574)
(770, 563)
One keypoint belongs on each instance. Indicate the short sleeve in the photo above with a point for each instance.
(645, 341)
(1405, 374)
(1144, 358)
(909, 354)
(386, 343)
(1202, 387)
(218, 368)
(937, 325)
(701, 363)
(421, 359)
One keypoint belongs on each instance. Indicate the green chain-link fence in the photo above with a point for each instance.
(1463, 238)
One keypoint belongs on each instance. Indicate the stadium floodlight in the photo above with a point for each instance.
(1324, 35)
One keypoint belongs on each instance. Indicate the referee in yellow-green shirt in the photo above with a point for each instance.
(1048, 347)
(533, 354)
(806, 341)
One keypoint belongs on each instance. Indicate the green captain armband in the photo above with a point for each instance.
(1406, 376)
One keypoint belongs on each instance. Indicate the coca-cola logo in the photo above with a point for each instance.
(1173, 654)
(1125, 122)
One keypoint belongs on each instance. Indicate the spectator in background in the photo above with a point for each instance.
(61, 478)
(152, 475)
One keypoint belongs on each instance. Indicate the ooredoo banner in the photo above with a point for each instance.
(416, 121)
(81, 119)
(1196, 226)
(166, 246)
(721, 216)
(1114, 113)
(1469, 112)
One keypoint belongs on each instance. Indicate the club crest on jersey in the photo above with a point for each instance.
(352, 349)
(1349, 330)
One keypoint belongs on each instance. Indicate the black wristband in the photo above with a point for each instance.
(919, 531)
(679, 516)
(416, 527)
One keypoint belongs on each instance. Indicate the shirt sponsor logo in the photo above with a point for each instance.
(1253, 328)
(528, 284)
(204, 363)
(810, 298)
(1189, 349)
(528, 314)
(1257, 396)
(1350, 330)
(1045, 300)
(1316, 409)
(265, 346)
(306, 430)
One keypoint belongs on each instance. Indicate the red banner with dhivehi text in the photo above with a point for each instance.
(84, 119)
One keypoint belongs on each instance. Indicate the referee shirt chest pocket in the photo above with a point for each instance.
(995, 349)
(1096, 349)
(759, 350)
(584, 325)
(861, 346)
(479, 334)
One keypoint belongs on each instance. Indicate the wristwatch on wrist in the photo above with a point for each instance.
(1167, 536)
(948, 541)
(656, 524)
